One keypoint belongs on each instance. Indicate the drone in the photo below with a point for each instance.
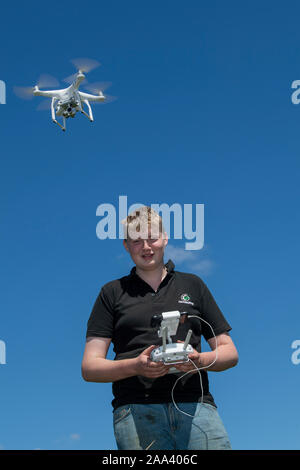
(66, 102)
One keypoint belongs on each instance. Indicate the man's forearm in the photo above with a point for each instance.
(226, 357)
(105, 370)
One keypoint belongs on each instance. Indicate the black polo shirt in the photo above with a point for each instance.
(123, 312)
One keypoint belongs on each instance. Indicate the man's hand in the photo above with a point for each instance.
(189, 366)
(147, 368)
(227, 356)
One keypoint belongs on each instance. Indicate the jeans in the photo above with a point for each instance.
(162, 427)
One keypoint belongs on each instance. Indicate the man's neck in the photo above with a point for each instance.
(153, 277)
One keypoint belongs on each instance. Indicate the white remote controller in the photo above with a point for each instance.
(174, 353)
(171, 353)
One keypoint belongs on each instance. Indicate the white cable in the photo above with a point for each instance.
(196, 368)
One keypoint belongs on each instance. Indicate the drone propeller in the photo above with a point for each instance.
(44, 105)
(44, 81)
(83, 65)
(108, 99)
(97, 87)
(47, 81)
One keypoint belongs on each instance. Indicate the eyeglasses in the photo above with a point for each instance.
(140, 241)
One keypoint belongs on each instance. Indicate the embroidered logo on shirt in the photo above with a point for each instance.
(185, 299)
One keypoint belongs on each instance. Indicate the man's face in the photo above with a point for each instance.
(147, 253)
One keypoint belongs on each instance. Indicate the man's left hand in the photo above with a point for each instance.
(189, 366)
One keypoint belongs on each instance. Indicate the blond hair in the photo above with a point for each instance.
(138, 223)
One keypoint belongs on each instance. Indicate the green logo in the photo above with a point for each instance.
(185, 297)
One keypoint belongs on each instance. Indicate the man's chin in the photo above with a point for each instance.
(148, 262)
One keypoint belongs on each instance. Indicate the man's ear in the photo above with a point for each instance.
(165, 238)
(125, 244)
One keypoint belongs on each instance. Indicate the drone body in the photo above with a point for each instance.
(66, 102)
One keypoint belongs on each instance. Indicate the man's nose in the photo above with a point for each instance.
(146, 244)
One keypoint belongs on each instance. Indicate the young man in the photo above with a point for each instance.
(144, 414)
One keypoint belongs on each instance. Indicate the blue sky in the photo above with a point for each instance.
(203, 116)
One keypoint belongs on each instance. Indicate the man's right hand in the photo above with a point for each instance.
(147, 368)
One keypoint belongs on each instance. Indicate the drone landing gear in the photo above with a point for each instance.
(62, 127)
(90, 115)
(54, 117)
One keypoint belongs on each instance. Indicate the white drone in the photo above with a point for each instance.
(68, 101)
